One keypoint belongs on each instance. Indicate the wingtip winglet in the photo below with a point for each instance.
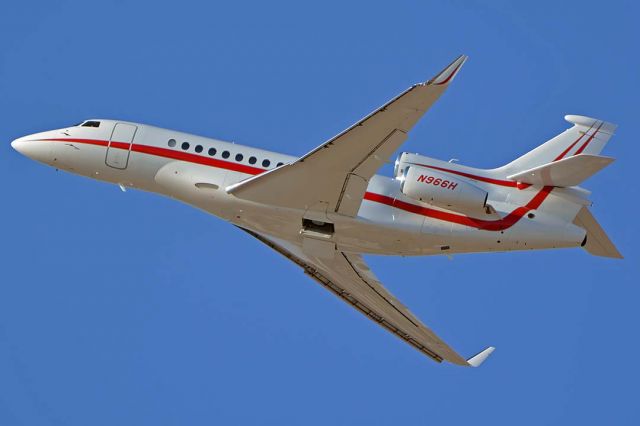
(477, 360)
(446, 75)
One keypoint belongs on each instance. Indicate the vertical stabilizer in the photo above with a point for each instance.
(587, 136)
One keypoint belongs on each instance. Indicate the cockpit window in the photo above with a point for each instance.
(91, 124)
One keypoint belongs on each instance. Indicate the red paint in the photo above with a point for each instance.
(563, 153)
(514, 184)
(509, 183)
(169, 153)
(450, 76)
(198, 159)
(584, 145)
(485, 225)
(430, 180)
(85, 141)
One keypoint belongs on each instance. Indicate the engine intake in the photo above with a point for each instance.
(443, 190)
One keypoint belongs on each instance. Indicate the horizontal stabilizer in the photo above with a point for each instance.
(597, 242)
(570, 171)
(587, 136)
(478, 359)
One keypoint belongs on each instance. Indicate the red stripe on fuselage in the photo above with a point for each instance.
(487, 225)
(194, 158)
(169, 153)
(85, 141)
(508, 183)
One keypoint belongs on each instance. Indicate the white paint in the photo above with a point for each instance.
(325, 188)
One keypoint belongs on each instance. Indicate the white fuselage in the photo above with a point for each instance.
(197, 170)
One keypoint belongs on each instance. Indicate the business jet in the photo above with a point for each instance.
(325, 210)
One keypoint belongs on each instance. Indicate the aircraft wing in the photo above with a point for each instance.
(348, 277)
(334, 176)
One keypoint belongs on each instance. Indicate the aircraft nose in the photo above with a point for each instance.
(34, 149)
(18, 145)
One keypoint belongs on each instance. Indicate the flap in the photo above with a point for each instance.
(349, 277)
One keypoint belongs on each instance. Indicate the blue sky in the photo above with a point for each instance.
(129, 308)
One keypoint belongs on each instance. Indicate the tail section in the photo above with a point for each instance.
(565, 161)
(543, 184)
(587, 136)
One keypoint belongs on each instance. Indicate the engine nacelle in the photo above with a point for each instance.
(443, 190)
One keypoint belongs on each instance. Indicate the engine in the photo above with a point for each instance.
(442, 190)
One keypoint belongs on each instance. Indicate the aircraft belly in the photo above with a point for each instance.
(379, 228)
(198, 185)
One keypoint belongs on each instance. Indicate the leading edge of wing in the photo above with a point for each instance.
(356, 152)
(417, 335)
(443, 78)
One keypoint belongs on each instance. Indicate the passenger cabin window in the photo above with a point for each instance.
(280, 164)
(185, 145)
(252, 160)
(171, 143)
(91, 124)
(265, 163)
(239, 157)
(198, 149)
(225, 154)
(212, 151)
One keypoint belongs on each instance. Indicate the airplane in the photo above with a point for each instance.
(325, 210)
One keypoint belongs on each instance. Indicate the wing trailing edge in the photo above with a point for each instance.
(348, 276)
(333, 177)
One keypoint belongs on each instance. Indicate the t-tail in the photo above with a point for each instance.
(566, 161)
(495, 198)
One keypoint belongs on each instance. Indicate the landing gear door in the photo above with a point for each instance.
(120, 145)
